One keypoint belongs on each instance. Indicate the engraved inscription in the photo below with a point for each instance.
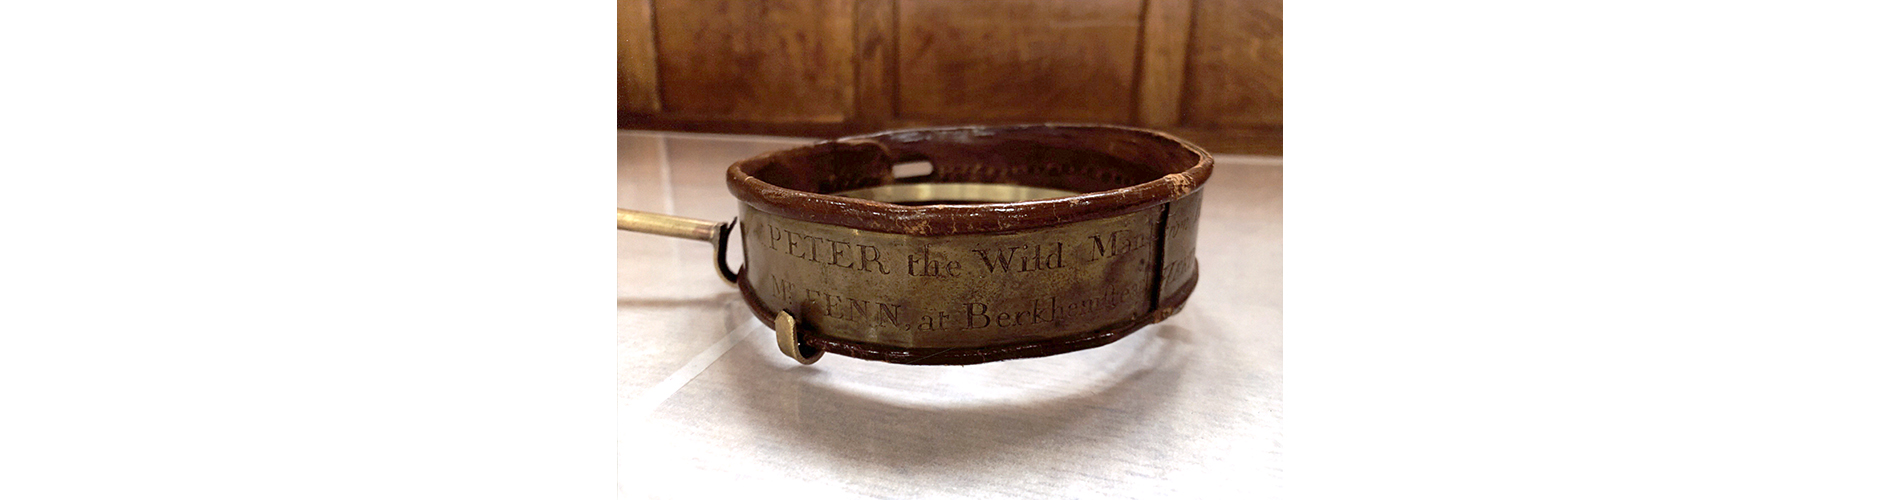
(1116, 243)
(925, 264)
(1046, 310)
(1025, 258)
(825, 250)
(780, 289)
(832, 305)
(953, 290)
(1176, 268)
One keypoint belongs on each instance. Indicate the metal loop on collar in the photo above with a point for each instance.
(719, 253)
(788, 343)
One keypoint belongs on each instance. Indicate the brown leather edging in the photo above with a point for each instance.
(973, 218)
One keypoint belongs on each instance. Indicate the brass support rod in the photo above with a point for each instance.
(715, 233)
(667, 225)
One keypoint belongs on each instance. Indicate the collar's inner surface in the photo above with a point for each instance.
(972, 166)
(953, 193)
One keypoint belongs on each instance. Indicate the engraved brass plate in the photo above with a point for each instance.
(958, 290)
(1021, 241)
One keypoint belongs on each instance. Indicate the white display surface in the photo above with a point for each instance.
(1188, 408)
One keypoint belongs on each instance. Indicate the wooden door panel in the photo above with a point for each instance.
(1073, 60)
(755, 60)
(1233, 64)
(1206, 70)
(639, 85)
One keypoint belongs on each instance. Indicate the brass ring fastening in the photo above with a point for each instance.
(788, 343)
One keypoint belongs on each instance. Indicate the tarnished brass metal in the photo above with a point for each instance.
(787, 328)
(668, 225)
(954, 290)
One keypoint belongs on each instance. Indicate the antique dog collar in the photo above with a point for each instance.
(1020, 241)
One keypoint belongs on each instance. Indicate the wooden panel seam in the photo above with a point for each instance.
(875, 29)
(1163, 57)
(639, 62)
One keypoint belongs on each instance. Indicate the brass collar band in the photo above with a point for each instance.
(1022, 241)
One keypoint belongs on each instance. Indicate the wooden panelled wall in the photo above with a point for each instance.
(1207, 70)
